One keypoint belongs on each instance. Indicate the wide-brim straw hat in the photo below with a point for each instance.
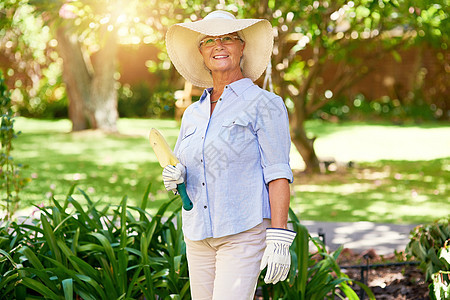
(182, 41)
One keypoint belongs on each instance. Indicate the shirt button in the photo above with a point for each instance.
(205, 207)
(220, 99)
(203, 183)
(201, 160)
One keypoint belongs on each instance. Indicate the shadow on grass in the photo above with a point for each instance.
(107, 167)
(384, 191)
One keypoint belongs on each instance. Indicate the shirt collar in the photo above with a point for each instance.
(241, 85)
(238, 87)
(206, 92)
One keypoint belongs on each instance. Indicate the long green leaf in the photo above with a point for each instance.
(32, 258)
(84, 218)
(149, 290)
(69, 195)
(28, 229)
(293, 217)
(366, 289)
(144, 216)
(50, 238)
(56, 215)
(133, 251)
(149, 234)
(6, 254)
(144, 249)
(88, 199)
(95, 216)
(134, 281)
(42, 275)
(8, 277)
(145, 198)
(107, 248)
(57, 205)
(123, 223)
(84, 268)
(148, 293)
(68, 288)
(64, 248)
(75, 238)
(63, 222)
(79, 265)
(150, 260)
(85, 296)
(302, 250)
(109, 278)
(162, 209)
(62, 271)
(184, 293)
(434, 258)
(90, 247)
(40, 288)
(97, 290)
(322, 292)
(348, 291)
(318, 282)
(122, 270)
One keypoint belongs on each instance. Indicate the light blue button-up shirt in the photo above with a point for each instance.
(230, 157)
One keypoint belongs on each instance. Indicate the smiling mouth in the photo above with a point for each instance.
(220, 56)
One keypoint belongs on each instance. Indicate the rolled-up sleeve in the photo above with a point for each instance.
(272, 130)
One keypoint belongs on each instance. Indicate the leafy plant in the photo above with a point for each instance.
(117, 252)
(140, 100)
(11, 180)
(313, 275)
(441, 283)
(429, 244)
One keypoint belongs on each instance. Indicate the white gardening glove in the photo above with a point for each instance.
(173, 175)
(276, 256)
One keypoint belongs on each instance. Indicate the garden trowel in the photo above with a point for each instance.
(166, 157)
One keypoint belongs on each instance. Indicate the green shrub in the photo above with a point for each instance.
(11, 179)
(430, 245)
(141, 101)
(385, 108)
(118, 252)
(313, 275)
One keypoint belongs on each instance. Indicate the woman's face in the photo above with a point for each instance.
(222, 53)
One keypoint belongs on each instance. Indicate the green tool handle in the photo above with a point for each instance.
(187, 203)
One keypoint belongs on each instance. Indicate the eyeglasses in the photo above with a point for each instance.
(224, 40)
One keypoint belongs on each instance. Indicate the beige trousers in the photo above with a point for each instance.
(227, 267)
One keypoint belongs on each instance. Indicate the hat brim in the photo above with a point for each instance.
(182, 47)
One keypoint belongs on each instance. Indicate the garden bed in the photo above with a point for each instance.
(387, 279)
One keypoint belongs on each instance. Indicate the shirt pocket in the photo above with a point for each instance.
(238, 138)
(186, 140)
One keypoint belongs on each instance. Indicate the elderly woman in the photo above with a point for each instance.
(233, 149)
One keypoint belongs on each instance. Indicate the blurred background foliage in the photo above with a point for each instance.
(96, 61)
(336, 29)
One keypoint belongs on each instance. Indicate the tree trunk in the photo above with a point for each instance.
(76, 77)
(90, 85)
(304, 145)
(102, 107)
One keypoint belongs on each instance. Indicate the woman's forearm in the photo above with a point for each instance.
(279, 196)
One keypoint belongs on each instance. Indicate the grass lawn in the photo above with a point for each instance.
(401, 173)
